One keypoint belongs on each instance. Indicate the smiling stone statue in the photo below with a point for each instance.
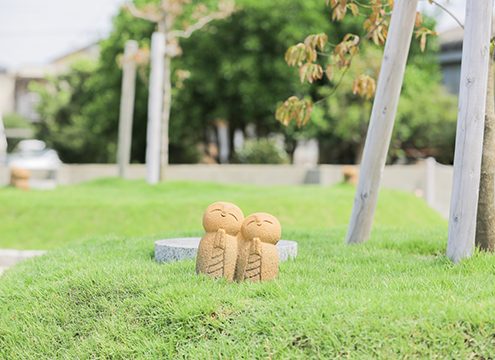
(234, 247)
(257, 255)
(217, 251)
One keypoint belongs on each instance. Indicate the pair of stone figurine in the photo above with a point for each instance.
(238, 248)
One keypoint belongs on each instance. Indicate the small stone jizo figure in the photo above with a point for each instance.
(234, 247)
(217, 251)
(257, 255)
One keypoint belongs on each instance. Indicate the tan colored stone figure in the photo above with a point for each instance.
(257, 258)
(217, 251)
(20, 178)
(351, 174)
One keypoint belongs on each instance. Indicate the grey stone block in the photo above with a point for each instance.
(187, 248)
(9, 257)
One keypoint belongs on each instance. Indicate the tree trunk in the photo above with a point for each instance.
(382, 120)
(167, 100)
(470, 127)
(485, 221)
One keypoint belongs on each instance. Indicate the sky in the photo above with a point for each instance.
(34, 32)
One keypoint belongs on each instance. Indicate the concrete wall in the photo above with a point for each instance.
(7, 90)
(411, 178)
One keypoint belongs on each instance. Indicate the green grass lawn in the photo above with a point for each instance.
(47, 219)
(395, 297)
(104, 297)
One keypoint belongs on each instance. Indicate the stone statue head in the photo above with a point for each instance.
(264, 226)
(223, 215)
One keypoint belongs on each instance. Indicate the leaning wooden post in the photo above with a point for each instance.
(155, 108)
(127, 107)
(382, 120)
(470, 126)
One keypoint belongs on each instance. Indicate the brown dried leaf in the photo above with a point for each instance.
(309, 110)
(422, 42)
(419, 19)
(303, 70)
(321, 40)
(330, 71)
(355, 85)
(354, 9)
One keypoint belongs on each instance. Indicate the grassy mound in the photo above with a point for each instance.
(395, 297)
(46, 220)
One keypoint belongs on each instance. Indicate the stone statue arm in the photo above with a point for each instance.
(256, 246)
(220, 239)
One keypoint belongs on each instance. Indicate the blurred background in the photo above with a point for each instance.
(61, 80)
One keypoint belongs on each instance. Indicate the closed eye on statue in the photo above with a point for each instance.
(233, 216)
(216, 210)
(249, 223)
(269, 222)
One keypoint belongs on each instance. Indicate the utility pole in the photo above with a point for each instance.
(127, 107)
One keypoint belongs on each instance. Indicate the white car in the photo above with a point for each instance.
(33, 155)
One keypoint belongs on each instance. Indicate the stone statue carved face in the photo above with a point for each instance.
(264, 226)
(223, 215)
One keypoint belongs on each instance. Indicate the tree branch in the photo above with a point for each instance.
(348, 66)
(141, 14)
(447, 11)
(187, 33)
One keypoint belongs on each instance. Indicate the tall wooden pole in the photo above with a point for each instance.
(167, 103)
(470, 125)
(155, 106)
(3, 141)
(127, 107)
(382, 120)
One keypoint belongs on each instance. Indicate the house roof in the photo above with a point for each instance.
(451, 39)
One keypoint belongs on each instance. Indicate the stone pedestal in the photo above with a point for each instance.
(187, 248)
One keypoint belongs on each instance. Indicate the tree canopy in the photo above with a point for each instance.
(234, 70)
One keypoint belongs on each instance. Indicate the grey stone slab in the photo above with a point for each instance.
(186, 248)
(9, 257)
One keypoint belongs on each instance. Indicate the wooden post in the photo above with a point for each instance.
(3, 141)
(431, 165)
(155, 106)
(470, 126)
(127, 107)
(382, 120)
(223, 141)
(167, 103)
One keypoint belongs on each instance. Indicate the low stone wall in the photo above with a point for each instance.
(411, 178)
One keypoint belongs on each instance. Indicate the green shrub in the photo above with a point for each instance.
(262, 151)
(16, 121)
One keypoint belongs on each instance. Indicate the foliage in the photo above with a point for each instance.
(426, 118)
(16, 121)
(262, 151)
(305, 55)
(47, 220)
(233, 70)
(236, 67)
(340, 121)
(66, 122)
